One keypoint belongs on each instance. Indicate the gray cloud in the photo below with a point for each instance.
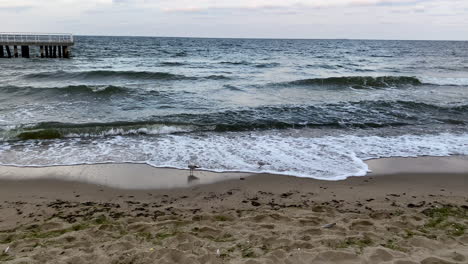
(404, 19)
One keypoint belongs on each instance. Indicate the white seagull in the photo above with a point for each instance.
(192, 167)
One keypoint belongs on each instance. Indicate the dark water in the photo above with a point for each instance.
(313, 108)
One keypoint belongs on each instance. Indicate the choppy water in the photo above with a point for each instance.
(310, 108)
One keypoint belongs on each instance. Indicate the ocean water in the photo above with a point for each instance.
(308, 108)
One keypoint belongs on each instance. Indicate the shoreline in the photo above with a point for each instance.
(403, 216)
(144, 176)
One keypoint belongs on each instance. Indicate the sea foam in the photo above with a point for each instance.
(326, 158)
(445, 81)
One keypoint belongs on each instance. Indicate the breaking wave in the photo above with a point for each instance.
(364, 114)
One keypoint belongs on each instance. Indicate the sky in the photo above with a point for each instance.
(309, 19)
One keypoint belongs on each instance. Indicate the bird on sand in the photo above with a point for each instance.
(192, 167)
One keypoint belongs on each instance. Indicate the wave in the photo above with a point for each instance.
(381, 56)
(217, 77)
(71, 89)
(327, 158)
(364, 114)
(324, 66)
(256, 65)
(363, 82)
(112, 75)
(267, 65)
(358, 81)
(180, 54)
(169, 63)
(236, 62)
(54, 130)
(232, 87)
(104, 74)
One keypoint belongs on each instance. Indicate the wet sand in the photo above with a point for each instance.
(404, 211)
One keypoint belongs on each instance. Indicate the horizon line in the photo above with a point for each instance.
(267, 38)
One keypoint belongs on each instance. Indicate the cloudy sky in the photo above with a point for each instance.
(368, 19)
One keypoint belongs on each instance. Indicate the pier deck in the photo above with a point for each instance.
(51, 45)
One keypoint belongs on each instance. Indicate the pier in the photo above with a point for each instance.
(48, 45)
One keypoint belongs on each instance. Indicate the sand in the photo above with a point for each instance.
(405, 211)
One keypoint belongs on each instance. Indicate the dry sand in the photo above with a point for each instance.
(405, 211)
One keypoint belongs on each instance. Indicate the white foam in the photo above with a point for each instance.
(328, 158)
(150, 130)
(445, 80)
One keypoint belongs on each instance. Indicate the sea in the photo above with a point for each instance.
(306, 108)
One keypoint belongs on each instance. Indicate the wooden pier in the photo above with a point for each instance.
(49, 45)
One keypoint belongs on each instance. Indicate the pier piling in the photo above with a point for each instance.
(48, 44)
(8, 51)
(25, 51)
(66, 53)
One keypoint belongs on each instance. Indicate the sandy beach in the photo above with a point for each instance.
(407, 210)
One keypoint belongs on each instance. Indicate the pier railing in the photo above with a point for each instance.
(36, 39)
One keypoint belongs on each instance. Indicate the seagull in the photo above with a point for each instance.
(192, 167)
